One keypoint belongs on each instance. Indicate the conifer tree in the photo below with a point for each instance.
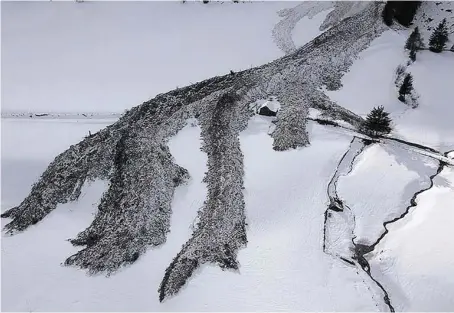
(439, 37)
(377, 122)
(406, 88)
(412, 54)
(414, 41)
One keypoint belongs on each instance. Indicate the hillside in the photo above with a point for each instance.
(192, 201)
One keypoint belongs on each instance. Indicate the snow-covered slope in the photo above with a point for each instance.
(342, 222)
(370, 83)
(430, 14)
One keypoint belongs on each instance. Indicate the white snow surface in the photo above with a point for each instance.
(380, 186)
(415, 261)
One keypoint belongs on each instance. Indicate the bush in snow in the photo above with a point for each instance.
(205, 1)
(400, 73)
(439, 37)
(452, 48)
(377, 122)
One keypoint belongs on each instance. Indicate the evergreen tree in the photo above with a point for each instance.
(414, 41)
(406, 88)
(439, 38)
(377, 122)
(412, 54)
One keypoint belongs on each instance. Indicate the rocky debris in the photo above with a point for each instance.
(290, 131)
(220, 231)
(63, 179)
(132, 154)
(135, 211)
